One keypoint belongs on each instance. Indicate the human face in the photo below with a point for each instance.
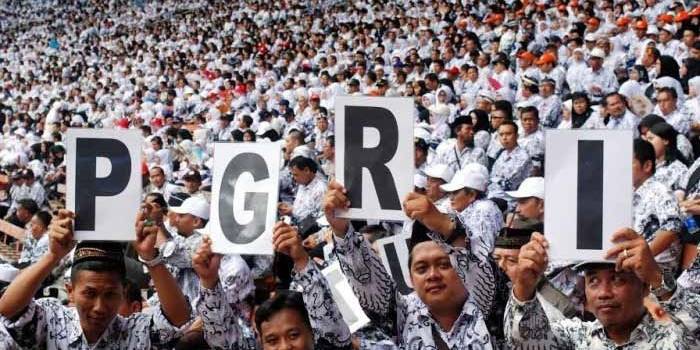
(322, 124)
(435, 280)
(640, 172)
(302, 176)
(666, 102)
(328, 151)
(633, 74)
(461, 199)
(529, 123)
(507, 260)
(192, 186)
(286, 330)
(155, 145)
(615, 298)
(596, 63)
(36, 227)
(187, 223)
(546, 90)
(509, 138)
(615, 106)
(432, 189)
(97, 297)
(530, 208)
(497, 117)
(156, 177)
(659, 144)
(580, 105)
(465, 133)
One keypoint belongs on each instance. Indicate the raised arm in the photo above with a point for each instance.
(324, 314)
(23, 288)
(173, 302)
(366, 274)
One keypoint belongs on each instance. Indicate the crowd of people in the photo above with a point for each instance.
(486, 77)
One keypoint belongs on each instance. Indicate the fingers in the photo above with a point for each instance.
(336, 186)
(335, 199)
(624, 234)
(65, 213)
(620, 247)
(283, 234)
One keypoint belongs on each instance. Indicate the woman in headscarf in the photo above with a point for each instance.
(566, 110)
(637, 102)
(669, 76)
(480, 120)
(581, 110)
(671, 165)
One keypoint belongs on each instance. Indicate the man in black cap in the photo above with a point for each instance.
(615, 291)
(96, 288)
(460, 151)
(193, 182)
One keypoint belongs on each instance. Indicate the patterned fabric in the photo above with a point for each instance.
(670, 174)
(550, 111)
(330, 331)
(534, 145)
(509, 170)
(46, 324)
(656, 209)
(414, 325)
(483, 221)
(33, 249)
(309, 198)
(690, 278)
(684, 185)
(447, 153)
(528, 324)
(603, 79)
(287, 186)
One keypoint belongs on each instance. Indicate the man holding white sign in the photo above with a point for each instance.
(103, 178)
(244, 201)
(374, 154)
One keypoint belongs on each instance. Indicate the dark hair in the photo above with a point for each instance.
(29, 205)
(247, 120)
(604, 101)
(530, 109)
(649, 121)
(668, 133)
(644, 152)
(44, 217)
(643, 74)
(133, 293)
(482, 120)
(297, 135)
(668, 90)
(251, 133)
(504, 106)
(511, 123)
(331, 140)
(158, 199)
(669, 68)
(301, 162)
(157, 140)
(283, 299)
(102, 266)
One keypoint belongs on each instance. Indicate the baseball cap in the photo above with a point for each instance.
(526, 55)
(597, 53)
(439, 171)
(473, 175)
(419, 181)
(194, 206)
(546, 58)
(640, 25)
(530, 187)
(177, 198)
(593, 264)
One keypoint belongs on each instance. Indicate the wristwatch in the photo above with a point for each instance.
(667, 286)
(157, 260)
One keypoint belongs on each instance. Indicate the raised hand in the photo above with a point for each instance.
(419, 207)
(286, 240)
(336, 199)
(532, 261)
(61, 234)
(206, 264)
(146, 234)
(632, 253)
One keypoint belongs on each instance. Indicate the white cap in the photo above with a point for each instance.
(597, 52)
(440, 171)
(195, 206)
(263, 127)
(653, 30)
(669, 28)
(589, 37)
(473, 175)
(530, 187)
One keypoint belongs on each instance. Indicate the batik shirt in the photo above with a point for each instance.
(482, 218)
(655, 208)
(308, 199)
(534, 145)
(34, 248)
(448, 154)
(287, 186)
(684, 182)
(46, 324)
(6, 341)
(527, 324)
(690, 278)
(550, 111)
(408, 317)
(509, 170)
(330, 331)
(670, 174)
(233, 271)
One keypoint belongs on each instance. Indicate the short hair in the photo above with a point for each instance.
(29, 205)
(505, 107)
(644, 152)
(331, 140)
(158, 199)
(283, 299)
(101, 266)
(247, 120)
(604, 102)
(133, 293)
(511, 123)
(530, 109)
(668, 90)
(297, 135)
(157, 140)
(44, 217)
(301, 162)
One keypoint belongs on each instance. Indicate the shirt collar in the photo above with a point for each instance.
(639, 335)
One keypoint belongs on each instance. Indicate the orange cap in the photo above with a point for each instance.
(682, 16)
(546, 58)
(526, 55)
(695, 12)
(665, 17)
(593, 21)
(623, 21)
(640, 25)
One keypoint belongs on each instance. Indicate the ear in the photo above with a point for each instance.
(70, 290)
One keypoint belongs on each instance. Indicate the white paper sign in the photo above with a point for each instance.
(588, 191)
(374, 155)
(345, 298)
(244, 197)
(103, 178)
(393, 251)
